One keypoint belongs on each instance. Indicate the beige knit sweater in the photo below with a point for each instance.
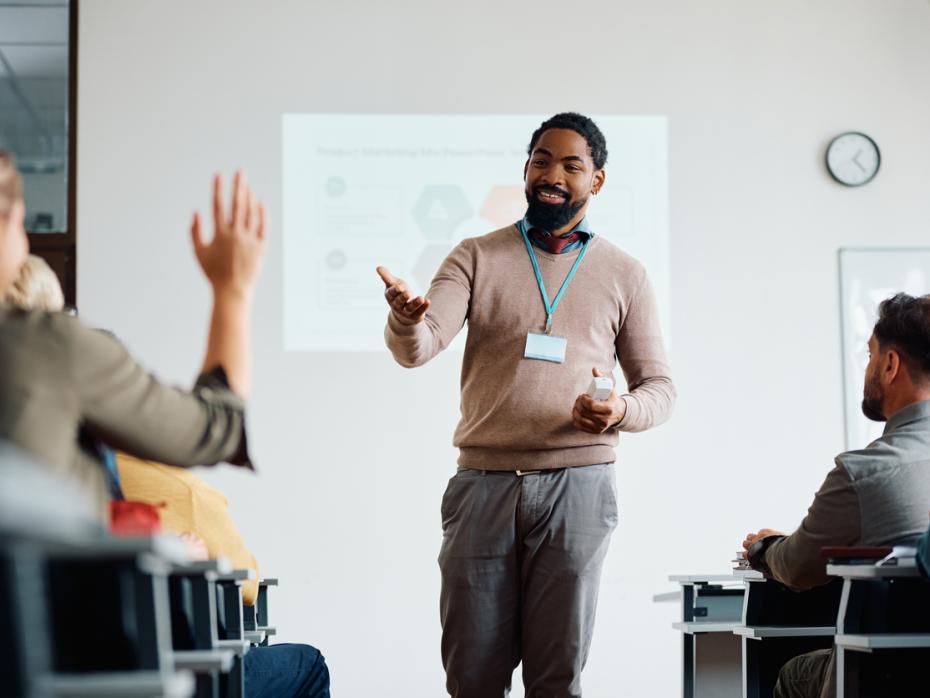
(516, 412)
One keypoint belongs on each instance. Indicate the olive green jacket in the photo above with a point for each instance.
(58, 378)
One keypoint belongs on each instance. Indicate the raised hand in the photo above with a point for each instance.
(232, 258)
(597, 416)
(407, 308)
(231, 261)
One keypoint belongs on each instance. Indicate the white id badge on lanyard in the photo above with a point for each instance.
(545, 347)
(548, 347)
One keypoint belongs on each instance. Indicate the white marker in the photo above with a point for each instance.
(600, 387)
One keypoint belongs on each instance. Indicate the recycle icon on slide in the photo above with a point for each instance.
(439, 210)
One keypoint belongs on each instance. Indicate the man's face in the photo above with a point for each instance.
(559, 176)
(14, 246)
(873, 395)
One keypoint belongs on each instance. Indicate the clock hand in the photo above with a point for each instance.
(856, 160)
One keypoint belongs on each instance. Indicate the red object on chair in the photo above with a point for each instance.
(134, 518)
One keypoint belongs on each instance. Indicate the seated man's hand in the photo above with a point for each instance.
(763, 533)
(196, 546)
(232, 258)
(597, 416)
(407, 308)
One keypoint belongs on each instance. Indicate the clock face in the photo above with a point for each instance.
(853, 159)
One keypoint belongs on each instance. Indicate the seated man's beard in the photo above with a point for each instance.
(872, 403)
(551, 217)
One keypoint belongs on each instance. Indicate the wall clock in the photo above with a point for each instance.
(853, 159)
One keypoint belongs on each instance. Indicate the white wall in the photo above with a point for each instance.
(345, 508)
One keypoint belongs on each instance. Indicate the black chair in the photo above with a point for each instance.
(779, 624)
(199, 622)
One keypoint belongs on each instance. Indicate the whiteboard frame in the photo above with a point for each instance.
(867, 275)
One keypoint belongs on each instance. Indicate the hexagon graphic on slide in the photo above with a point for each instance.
(439, 210)
(428, 262)
(504, 204)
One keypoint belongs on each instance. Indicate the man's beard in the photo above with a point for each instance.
(872, 401)
(551, 217)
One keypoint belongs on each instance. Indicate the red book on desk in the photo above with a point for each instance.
(855, 553)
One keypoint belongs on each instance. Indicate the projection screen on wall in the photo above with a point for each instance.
(362, 190)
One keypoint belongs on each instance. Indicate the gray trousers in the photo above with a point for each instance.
(521, 563)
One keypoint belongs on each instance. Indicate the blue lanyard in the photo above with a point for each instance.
(550, 308)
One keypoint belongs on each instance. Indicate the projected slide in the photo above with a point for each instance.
(401, 190)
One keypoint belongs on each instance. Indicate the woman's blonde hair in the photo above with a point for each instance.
(36, 288)
(11, 186)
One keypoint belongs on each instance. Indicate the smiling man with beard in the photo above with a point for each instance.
(878, 495)
(528, 516)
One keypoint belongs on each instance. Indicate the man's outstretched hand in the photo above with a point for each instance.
(597, 416)
(407, 308)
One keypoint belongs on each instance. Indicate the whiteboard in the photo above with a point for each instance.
(867, 277)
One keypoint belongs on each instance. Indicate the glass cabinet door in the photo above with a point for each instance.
(34, 97)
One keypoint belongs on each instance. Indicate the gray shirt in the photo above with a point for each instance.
(878, 495)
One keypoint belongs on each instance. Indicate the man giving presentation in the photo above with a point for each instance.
(527, 518)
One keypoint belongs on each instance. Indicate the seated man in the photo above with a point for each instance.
(878, 495)
(60, 379)
(194, 508)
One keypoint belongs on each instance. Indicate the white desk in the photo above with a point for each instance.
(711, 606)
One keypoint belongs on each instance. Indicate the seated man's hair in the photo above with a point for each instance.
(904, 324)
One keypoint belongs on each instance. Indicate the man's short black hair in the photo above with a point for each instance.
(904, 324)
(584, 127)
